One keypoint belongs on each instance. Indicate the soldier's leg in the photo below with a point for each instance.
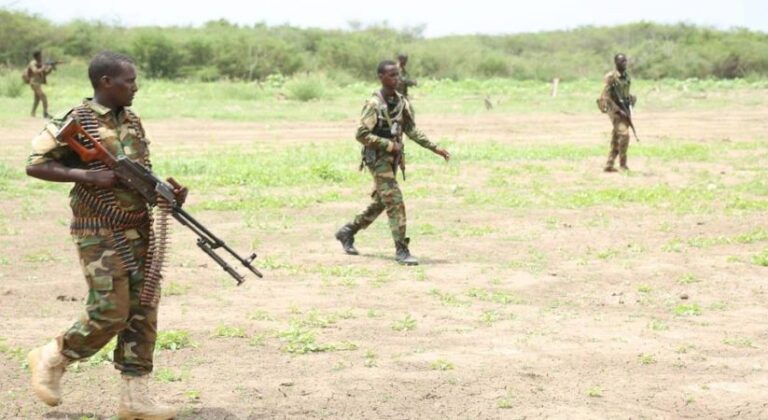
(614, 152)
(623, 130)
(374, 209)
(44, 100)
(36, 96)
(108, 303)
(136, 343)
(392, 198)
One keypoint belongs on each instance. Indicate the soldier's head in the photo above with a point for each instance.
(621, 62)
(403, 59)
(113, 77)
(37, 55)
(388, 74)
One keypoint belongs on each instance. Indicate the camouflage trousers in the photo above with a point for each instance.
(619, 140)
(37, 89)
(386, 196)
(113, 307)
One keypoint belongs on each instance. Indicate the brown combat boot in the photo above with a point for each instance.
(136, 403)
(47, 365)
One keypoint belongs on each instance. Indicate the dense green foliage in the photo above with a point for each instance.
(220, 49)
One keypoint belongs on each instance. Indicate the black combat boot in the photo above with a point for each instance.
(346, 235)
(403, 255)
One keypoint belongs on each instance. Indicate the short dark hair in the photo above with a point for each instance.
(402, 55)
(106, 63)
(37, 53)
(383, 65)
(616, 57)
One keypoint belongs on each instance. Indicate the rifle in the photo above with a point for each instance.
(399, 159)
(53, 63)
(153, 189)
(626, 109)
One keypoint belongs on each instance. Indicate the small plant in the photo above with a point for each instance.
(260, 315)
(405, 324)
(173, 340)
(257, 340)
(688, 278)
(595, 392)
(441, 364)
(742, 342)
(192, 394)
(175, 289)
(370, 359)
(224, 331)
(167, 375)
(687, 309)
(646, 359)
(489, 317)
(761, 259)
(504, 403)
(644, 288)
(658, 325)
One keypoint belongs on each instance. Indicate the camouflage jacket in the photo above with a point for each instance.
(615, 83)
(376, 121)
(122, 134)
(37, 73)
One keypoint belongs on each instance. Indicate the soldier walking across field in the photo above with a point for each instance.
(36, 73)
(385, 117)
(113, 232)
(405, 80)
(615, 93)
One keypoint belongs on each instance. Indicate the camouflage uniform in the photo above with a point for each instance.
(37, 78)
(616, 82)
(375, 135)
(405, 81)
(113, 289)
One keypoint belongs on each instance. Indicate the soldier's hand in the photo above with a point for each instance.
(444, 153)
(396, 147)
(103, 179)
(179, 192)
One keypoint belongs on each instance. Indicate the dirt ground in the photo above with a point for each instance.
(576, 335)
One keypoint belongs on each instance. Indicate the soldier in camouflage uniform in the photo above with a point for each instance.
(111, 229)
(617, 82)
(405, 79)
(384, 110)
(36, 73)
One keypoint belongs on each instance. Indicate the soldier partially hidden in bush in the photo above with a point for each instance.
(617, 84)
(405, 79)
(111, 227)
(36, 73)
(385, 116)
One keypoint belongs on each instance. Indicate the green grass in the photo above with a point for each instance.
(406, 324)
(173, 340)
(227, 331)
(687, 309)
(441, 364)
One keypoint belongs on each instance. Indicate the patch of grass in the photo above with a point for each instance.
(301, 340)
(441, 364)
(688, 278)
(175, 289)
(646, 359)
(658, 325)
(447, 299)
(490, 317)
(741, 342)
(173, 340)
(226, 331)
(761, 259)
(505, 403)
(40, 257)
(370, 359)
(192, 394)
(257, 340)
(406, 324)
(687, 309)
(166, 375)
(260, 315)
(13, 352)
(503, 298)
(644, 288)
(595, 392)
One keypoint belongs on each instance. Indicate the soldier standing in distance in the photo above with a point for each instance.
(617, 84)
(405, 80)
(386, 109)
(111, 227)
(36, 73)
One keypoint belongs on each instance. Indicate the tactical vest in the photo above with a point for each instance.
(386, 117)
(622, 85)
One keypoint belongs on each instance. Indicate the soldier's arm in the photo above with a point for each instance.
(49, 159)
(413, 133)
(606, 96)
(365, 136)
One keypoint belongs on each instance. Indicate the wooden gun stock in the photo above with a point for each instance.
(68, 134)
